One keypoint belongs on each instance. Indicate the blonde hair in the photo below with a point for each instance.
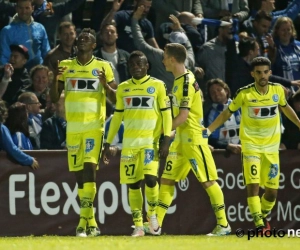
(279, 22)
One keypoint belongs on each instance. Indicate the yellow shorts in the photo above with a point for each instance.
(135, 163)
(84, 147)
(184, 157)
(261, 168)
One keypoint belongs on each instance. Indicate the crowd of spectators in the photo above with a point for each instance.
(221, 38)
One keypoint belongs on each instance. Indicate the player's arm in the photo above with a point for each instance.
(180, 118)
(114, 126)
(58, 84)
(223, 117)
(106, 77)
(164, 105)
(111, 91)
(290, 114)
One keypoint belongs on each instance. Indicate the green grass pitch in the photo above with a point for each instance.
(165, 242)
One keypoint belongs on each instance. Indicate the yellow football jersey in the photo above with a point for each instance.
(186, 94)
(260, 127)
(142, 102)
(85, 98)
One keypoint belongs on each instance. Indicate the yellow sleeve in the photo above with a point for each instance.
(236, 103)
(282, 98)
(117, 117)
(164, 105)
(109, 72)
(114, 126)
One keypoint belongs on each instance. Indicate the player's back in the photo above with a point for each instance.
(260, 128)
(84, 95)
(141, 101)
(186, 95)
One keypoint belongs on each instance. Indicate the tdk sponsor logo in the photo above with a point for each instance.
(143, 102)
(82, 84)
(263, 112)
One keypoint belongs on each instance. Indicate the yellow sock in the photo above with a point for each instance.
(86, 202)
(255, 210)
(136, 203)
(266, 206)
(217, 201)
(165, 199)
(152, 199)
(91, 219)
(80, 193)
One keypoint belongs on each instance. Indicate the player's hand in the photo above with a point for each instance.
(106, 153)
(117, 5)
(58, 71)
(164, 147)
(206, 133)
(8, 71)
(138, 13)
(102, 78)
(35, 165)
(113, 150)
(176, 24)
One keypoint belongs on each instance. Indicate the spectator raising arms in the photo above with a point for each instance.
(7, 144)
(123, 22)
(14, 76)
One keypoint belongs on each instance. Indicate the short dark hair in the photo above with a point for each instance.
(260, 61)
(177, 51)
(220, 82)
(245, 45)
(65, 25)
(261, 14)
(31, 1)
(89, 31)
(137, 53)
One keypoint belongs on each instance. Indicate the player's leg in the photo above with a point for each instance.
(81, 228)
(150, 170)
(165, 198)
(176, 168)
(92, 142)
(87, 217)
(270, 179)
(203, 166)
(135, 198)
(252, 173)
(75, 163)
(131, 173)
